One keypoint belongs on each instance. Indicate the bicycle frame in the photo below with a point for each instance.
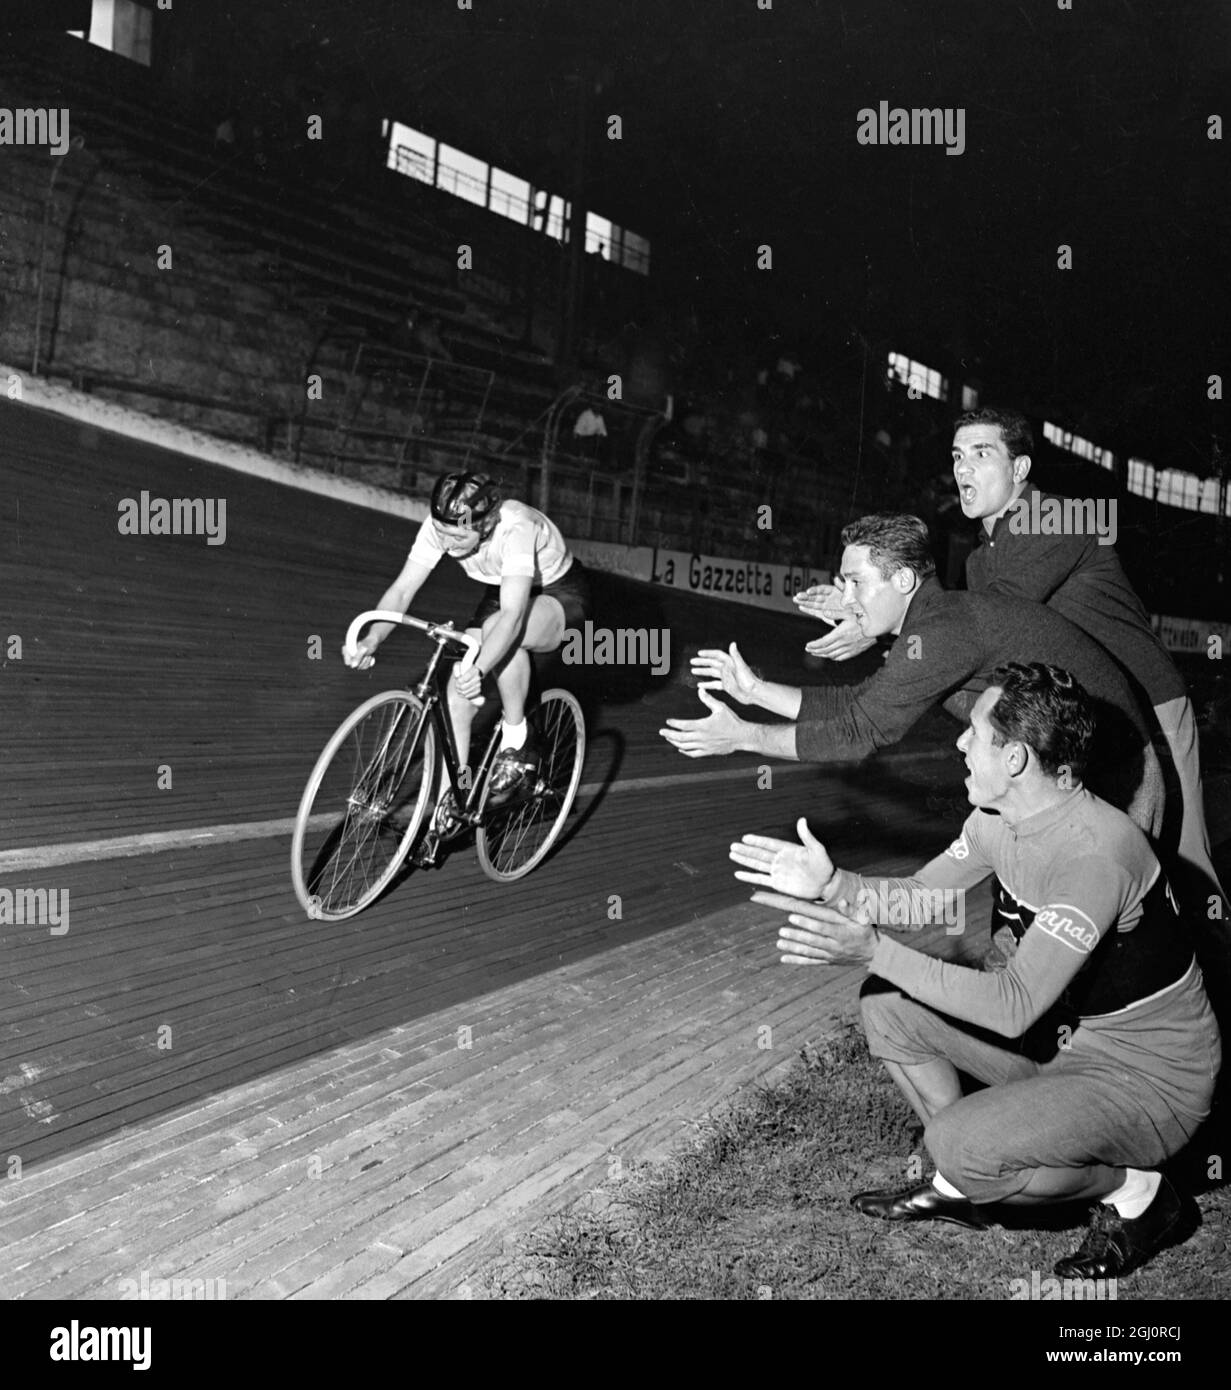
(431, 695)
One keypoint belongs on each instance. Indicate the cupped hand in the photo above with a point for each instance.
(726, 671)
(801, 870)
(845, 641)
(719, 734)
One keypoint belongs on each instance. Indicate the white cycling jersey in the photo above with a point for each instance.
(523, 542)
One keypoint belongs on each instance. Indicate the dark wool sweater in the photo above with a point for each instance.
(1083, 582)
(952, 641)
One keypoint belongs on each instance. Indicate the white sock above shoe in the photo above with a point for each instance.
(1135, 1194)
(944, 1187)
(512, 735)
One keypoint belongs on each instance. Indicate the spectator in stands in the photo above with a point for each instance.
(224, 135)
(590, 424)
(403, 335)
(260, 156)
(427, 335)
(590, 433)
(788, 367)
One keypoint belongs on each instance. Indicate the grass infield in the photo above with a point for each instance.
(757, 1206)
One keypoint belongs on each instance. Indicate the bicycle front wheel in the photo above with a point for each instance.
(363, 805)
(516, 838)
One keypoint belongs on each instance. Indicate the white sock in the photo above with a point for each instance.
(1135, 1194)
(512, 735)
(944, 1187)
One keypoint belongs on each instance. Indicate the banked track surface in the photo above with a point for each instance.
(190, 977)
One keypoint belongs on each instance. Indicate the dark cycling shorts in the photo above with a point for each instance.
(571, 591)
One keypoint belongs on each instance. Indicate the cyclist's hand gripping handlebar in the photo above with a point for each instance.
(440, 632)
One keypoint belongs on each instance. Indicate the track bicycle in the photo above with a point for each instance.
(370, 792)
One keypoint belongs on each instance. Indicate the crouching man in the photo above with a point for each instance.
(1100, 948)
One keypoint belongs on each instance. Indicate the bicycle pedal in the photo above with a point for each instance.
(427, 852)
(450, 827)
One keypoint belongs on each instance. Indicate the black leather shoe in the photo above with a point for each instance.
(922, 1203)
(513, 773)
(1115, 1245)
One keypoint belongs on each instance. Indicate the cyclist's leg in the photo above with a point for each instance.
(543, 632)
(517, 763)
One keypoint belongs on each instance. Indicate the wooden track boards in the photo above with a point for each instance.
(296, 1045)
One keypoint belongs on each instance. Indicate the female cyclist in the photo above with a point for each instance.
(535, 590)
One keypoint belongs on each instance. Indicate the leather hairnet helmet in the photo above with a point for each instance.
(465, 499)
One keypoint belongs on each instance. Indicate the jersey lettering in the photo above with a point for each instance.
(1079, 935)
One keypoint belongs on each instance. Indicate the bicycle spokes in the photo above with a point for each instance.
(364, 802)
(377, 783)
(517, 836)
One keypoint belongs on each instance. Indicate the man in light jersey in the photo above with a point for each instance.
(535, 591)
(1101, 953)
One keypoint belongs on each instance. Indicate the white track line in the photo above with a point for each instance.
(156, 842)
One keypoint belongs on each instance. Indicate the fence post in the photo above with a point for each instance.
(545, 481)
(76, 143)
(641, 455)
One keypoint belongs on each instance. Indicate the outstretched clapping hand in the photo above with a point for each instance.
(845, 641)
(721, 733)
(728, 671)
(824, 601)
(816, 934)
(801, 870)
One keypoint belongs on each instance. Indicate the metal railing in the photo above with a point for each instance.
(392, 407)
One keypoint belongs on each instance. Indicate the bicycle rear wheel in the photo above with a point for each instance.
(363, 805)
(516, 838)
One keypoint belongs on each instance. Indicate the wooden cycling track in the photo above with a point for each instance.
(199, 1081)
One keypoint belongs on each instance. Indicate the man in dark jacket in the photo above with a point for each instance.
(1074, 569)
(948, 643)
